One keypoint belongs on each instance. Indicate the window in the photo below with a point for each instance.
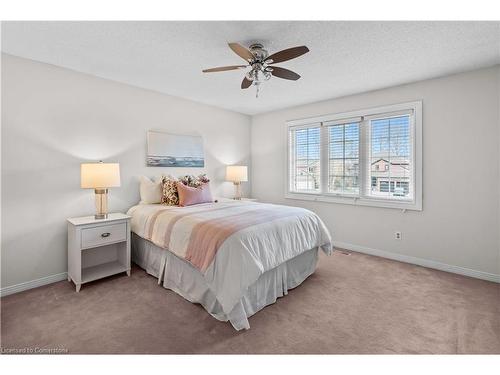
(370, 157)
(390, 143)
(343, 160)
(304, 168)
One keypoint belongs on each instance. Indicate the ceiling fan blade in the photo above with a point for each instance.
(284, 73)
(246, 83)
(241, 51)
(287, 54)
(224, 68)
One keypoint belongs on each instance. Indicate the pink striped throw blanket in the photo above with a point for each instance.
(207, 236)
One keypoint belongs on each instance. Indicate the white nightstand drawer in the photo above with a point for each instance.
(102, 235)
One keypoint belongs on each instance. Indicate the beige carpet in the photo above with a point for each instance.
(353, 304)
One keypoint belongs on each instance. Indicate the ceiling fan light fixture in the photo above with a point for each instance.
(258, 61)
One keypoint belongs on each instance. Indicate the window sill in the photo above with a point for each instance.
(356, 201)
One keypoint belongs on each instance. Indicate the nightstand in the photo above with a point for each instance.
(98, 247)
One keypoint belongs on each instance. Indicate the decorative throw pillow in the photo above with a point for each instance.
(194, 195)
(193, 181)
(203, 178)
(151, 191)
(170, 196)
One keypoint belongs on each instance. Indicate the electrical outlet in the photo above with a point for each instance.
(397, 235)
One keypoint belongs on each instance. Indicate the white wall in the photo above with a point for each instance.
(459, 223)
(53, 119)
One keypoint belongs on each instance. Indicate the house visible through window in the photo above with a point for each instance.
(390, 157)
(373, 156)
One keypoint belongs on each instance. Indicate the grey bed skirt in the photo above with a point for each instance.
(181, 277)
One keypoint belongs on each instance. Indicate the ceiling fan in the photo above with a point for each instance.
(262, 64)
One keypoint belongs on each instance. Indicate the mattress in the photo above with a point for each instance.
(181, 277)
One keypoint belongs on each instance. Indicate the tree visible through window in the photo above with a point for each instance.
(343, 162)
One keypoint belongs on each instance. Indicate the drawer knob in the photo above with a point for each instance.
(105, 234)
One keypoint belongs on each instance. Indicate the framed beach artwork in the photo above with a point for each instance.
(174, 150)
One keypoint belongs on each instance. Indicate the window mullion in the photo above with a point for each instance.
(343, 159)
(324, 158)
(363, 154)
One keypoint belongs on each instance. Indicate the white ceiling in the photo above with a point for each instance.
(345, 57)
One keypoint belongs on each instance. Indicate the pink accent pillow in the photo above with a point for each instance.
(190, 195)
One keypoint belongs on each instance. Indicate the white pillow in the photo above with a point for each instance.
(151, 191)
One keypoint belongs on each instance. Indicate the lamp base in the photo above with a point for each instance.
(237, 188)
(101, 204)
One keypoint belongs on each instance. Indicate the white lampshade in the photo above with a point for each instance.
(236, 173)
(100, 175)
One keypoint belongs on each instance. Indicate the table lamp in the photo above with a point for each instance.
(100, 176)
(237, 174)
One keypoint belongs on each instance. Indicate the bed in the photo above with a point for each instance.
(232, 257)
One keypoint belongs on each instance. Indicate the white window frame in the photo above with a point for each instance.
(361, 199)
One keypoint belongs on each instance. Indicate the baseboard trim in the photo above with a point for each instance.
(33, 284)
(344, 245)
(420, 262)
